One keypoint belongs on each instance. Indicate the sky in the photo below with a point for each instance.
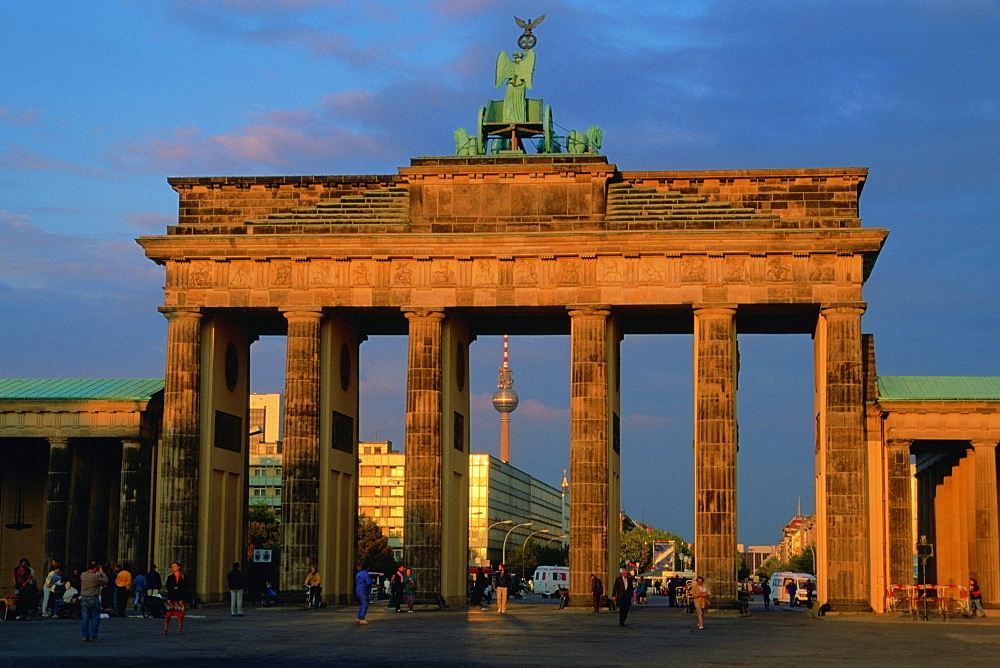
(103, 101)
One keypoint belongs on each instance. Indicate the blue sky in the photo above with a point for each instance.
(104, 100)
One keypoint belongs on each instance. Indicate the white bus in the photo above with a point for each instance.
(550, 579)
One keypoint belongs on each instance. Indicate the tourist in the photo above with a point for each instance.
(975, 598)
(53, 577)
(479, 587)
(123, 583)
(596, 591)
(641, 591)
(313, 589)
(177, 597)
(765, 591)
(396, 588)
(410, 589)
(792, 590)
(70, 597)
(153, 582)
(700, 594)
(622, 593)
(91, 583)
(23, 574)
(237, 584)
(672, 587)
(139, 588)
(362, 587)
(501, 585)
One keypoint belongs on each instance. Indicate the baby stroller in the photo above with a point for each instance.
(68, 610)
(153, 606)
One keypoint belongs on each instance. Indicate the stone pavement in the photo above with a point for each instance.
(534, 632)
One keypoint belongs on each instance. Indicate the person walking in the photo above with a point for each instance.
(501, 586)
(362, 587)
(596, 591)
(479, 587)
(237, 585)
(313, 588)
(123, 583)
(23, 574)
(622, 593)
(410, 589)
(700, 594)
(765, 591)
(975, 598)
(792, 590)
(91, 582)
(178, 594)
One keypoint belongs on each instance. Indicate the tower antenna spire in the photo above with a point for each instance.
(505, 401)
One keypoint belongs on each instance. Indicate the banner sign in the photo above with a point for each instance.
(663, 556)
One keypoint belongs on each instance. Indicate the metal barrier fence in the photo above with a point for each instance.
(923, 600)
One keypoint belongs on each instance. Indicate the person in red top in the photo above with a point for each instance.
(23, 574)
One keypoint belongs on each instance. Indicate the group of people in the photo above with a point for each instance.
(98, 590)
(501, 585)
(625, 591)
(402, 586)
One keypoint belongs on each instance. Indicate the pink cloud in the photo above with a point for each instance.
(19, 158)
(19, 116)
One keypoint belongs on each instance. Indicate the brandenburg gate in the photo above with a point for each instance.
(501, 241)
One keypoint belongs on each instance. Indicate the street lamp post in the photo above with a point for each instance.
(485, 534)
(504, 558)
(533, 533)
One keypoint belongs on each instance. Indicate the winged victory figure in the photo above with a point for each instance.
(517, 71)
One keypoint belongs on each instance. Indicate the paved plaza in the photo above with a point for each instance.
(534, 632)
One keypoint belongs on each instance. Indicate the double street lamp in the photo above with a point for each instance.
(526, 524)
(485, 535)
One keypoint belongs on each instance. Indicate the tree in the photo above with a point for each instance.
(772, 565)
(743, 572)
(263, 529)
(637, 546)
(552, 553)
(524, 560)
(373, 546)
(804, 561)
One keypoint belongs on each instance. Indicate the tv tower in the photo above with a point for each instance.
(505, 401)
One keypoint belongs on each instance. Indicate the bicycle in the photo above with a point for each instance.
(313, 599)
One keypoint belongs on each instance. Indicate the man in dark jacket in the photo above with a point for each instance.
(596, 591)
(237, 584)
(622, 593)
(153, 582)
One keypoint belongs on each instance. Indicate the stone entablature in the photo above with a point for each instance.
(73, 419)
(941, 420)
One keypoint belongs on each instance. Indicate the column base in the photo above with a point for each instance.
(848, 606)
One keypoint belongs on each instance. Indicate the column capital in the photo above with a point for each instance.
(898, 443)
(302, 312)
(844, 308)
(58, 440)
(577, 310)
(981, 444)
(714, 309)
(416, 312)
(174, 312)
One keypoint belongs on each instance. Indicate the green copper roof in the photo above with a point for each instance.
(939, 388)
(136, 389)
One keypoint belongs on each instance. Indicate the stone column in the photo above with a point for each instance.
(181, 441)
(842, 460)
(300, 463)
(987, 527)
(715, 450)
(57, 499)
(588, 452)
(900, 519)
(130, 514)
(424, 485)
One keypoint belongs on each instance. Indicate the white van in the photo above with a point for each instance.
(803, 583)
(550, 579)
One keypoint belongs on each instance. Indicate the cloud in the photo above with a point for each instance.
(148, 222)
(645, 423)
(35, 263)
(19, 116)
(18, 158)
